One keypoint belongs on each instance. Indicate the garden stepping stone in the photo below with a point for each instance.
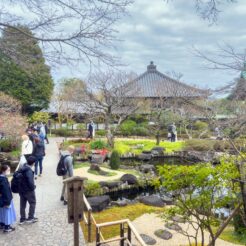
(163, 234)
(173, 226)
(152, 200)
(178, 219)
(148, 240)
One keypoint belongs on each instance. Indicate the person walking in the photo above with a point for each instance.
(172, 129)
(26, 147)
(39, 153)
(46, 133)
(27, 192)
(90, 130)
(68, 162)
(7, 210)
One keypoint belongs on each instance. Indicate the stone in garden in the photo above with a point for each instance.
(163, 234)
(146, 168)
(157, 151)
(173, 226)
(97, 158)
(95, 167)
(115, 184)
(167, 200)
(98, 203)
(119, 203)
(148, 240)
(152, 200)
(178, 219)
(129, 178)
(110, 185)
(145, 156)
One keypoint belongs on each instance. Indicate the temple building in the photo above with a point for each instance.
(154, 84)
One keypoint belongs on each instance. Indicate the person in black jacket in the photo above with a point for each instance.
(7, 210)
(39, 153)
(27, 192)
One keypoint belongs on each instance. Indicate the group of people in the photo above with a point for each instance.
(172, 133)
(32, 154)
(26, 193)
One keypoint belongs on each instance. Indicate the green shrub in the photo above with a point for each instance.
(92, 189)
(98, 144)
(6, 145)
(221, 146)
(199, 145)
(62, 132)
(127, 127)
(200, 125)
(114, 160)
(101, 133)
(141, 131)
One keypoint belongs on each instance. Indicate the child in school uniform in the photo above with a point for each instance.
(7, 210)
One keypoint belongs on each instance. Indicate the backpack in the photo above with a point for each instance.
(61, 169)
(16, 181)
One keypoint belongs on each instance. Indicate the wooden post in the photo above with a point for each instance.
(122, 234)
(97, 236)
(89, 226)
(75, 206)
(75, 212)
(129, 234)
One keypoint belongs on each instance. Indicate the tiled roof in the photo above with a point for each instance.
(152, 84)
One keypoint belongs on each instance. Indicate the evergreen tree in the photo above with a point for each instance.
(239, 92)
(29, 81)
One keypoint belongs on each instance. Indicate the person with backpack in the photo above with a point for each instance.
(7, 210)
(27, 192)
(65, 169)
(39, 153)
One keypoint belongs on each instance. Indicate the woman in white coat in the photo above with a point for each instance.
(26, 149)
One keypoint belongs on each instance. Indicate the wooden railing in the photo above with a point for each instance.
(125, 226)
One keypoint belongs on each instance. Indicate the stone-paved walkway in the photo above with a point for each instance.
(52, 228)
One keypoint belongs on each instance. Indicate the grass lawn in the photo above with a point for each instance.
(124, 146)
(229, 235)
(107, 173)
(81, 164)
(118, 213)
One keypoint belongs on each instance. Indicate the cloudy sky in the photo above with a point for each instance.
(165, 33)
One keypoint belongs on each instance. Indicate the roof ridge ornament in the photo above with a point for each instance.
(151, 67)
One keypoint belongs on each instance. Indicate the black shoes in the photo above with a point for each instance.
(62, 198)
(8, 229)
(22, 221)
(65, 202)
(33, 220)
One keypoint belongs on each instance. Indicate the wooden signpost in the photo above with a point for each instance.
(75, 205)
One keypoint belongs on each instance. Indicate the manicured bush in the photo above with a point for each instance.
(114, 160)
(101, 133)
(98, 144)
(199, 145)
(140, 131)
(92, 189)
(6, 145)
(127, 127)
(200, 125)
(63, 132)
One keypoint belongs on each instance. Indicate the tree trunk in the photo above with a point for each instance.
(157, 138)
(110, 138)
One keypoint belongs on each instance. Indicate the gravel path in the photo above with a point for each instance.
(149, 223)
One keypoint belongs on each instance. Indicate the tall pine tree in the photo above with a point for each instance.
(239, 91)
(26, 78)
